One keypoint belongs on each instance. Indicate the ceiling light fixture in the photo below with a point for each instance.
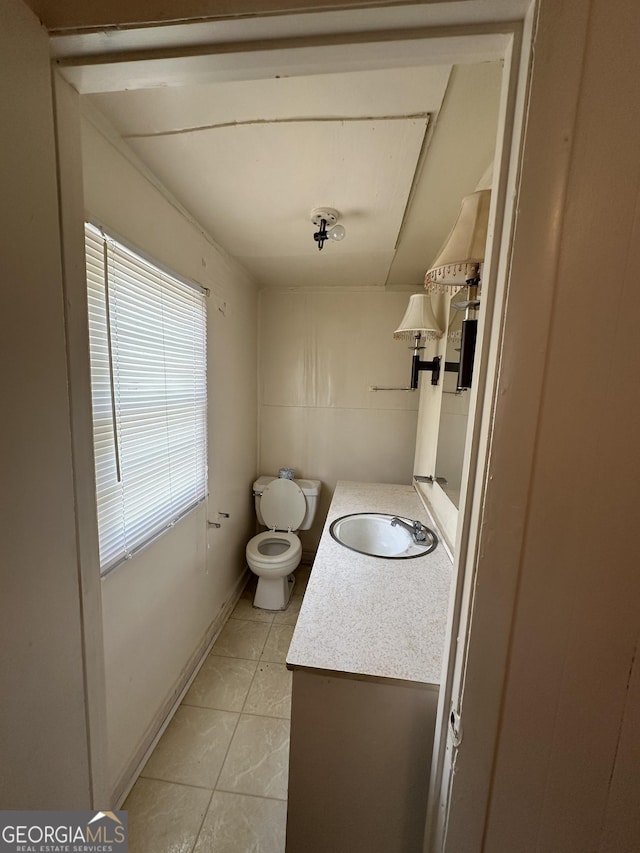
(326, 219)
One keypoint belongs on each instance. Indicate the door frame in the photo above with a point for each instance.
(477, 454)
(483, 462)
(501, 465)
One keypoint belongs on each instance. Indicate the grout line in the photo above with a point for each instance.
(239, 714)
(233, 657)
(173, 782)
(226, 710)
(256, 796)
(248, 691)
(239, 718)
(253, 796)
(226, 755)
(265, 716)
(253, 621)
(204, 817)
(228, 657)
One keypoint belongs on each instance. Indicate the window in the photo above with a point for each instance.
(147, 335)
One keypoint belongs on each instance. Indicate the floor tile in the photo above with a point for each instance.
(241, 638)
(258, 758)
(244, 609)
(193, 748)
(270, 693)
(164, 816)
(222, 683)
(290, 615)
(278, 642)
(239, 824)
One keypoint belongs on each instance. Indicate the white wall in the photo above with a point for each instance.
(43, 737)
(160, 608)
(320, 352)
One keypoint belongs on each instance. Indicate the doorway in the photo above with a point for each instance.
(505, 41)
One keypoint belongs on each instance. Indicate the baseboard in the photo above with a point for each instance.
(163, 717)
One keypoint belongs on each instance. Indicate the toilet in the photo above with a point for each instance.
(284, 506)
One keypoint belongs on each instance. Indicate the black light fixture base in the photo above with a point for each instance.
(321, 235)
(467, 354)
(417, 365)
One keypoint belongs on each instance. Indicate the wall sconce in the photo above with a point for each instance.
(418, 320)
(326, 219)
(458, 265)
(458, 261)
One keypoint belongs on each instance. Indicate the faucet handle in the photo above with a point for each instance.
(419, 531)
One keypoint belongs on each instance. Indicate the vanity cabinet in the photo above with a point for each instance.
(366, 657)
(359, 764)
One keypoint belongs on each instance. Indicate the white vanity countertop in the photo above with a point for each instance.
(371, 616)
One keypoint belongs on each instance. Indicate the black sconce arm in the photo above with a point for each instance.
(417, 365)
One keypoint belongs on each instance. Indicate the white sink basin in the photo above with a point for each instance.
(373, 534)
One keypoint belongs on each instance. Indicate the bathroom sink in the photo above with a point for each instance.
(373, 534)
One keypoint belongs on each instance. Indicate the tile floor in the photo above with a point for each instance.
(217, 780)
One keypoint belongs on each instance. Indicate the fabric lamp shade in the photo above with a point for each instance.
(418, 319)
(464, 248)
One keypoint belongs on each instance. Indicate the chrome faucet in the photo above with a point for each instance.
(416, 528)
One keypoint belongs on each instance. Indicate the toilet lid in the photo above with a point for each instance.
(283, 505)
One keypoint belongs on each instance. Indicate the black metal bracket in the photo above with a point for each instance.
(467, 353)
(417, 365)
(464, 368)
(321, 235)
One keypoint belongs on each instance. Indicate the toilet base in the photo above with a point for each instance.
(274, 593)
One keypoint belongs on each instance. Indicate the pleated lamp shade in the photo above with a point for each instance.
(418, 319)
(464, 248)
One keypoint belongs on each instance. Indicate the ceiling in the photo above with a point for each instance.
(387, 113)
(393, 150)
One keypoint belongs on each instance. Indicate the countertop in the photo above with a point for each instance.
(371, 616)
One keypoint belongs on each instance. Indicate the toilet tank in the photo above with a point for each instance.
(310, 489)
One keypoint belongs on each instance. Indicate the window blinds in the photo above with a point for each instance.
(148, 346)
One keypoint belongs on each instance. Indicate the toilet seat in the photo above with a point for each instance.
(287, 550)
(283, 505)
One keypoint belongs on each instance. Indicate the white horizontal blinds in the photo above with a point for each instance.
(148, 366)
